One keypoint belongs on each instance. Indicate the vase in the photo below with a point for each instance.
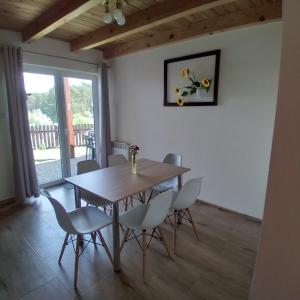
(133, 164)
(202, 94)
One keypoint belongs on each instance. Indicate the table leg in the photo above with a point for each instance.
(116, 238)
(179, 213)
(78, 205)
(77, 196)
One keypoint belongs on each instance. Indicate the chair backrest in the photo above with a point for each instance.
(176, 160)
(89, 141)
(173, 159)
(188, 194)
(87, 166)
(62, 216)
(116, 159)
(158, 210)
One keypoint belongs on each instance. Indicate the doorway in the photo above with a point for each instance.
(61, 107)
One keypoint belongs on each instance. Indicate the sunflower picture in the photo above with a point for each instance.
(192, 80)
(195, 84)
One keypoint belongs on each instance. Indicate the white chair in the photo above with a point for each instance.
(173, 159)
(147, 216)
(86, 166)
(84, 220)
(116, 159)
(182, 201)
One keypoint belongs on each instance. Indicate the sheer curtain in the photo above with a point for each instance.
(104, 116)
(25, 178)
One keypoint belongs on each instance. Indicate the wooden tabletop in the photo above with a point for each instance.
(116, 183)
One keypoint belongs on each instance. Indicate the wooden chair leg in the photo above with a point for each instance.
(174, 232)
(93, 236)
(124, 239)
(78, 240)
(150, 196)
(63, 247)
(126, 204)
(131, 201)
(144, 254)
(105, 246)
(193, 223)
(164, 242)
(122, 227)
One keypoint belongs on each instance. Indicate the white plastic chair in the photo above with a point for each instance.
(85, 167)
(84, 220)
(182, 202)
(147, 216)
(172, 159)
(116, 159)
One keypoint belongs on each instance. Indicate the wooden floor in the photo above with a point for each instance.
(219, 266)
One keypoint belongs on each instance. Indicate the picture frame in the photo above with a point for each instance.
(193, 79)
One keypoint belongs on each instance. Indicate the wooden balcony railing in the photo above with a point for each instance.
(47, 136)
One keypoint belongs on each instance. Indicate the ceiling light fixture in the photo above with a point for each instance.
(117, 12)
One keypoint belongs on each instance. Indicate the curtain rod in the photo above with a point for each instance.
(71, 59)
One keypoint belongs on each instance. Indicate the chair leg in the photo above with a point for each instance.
(126, 204)
(150, 196)
(164, 242)
(105, 245)
(78, 240)
(122, 227)
(174, 232)
(144, 254)
(63, 247)
(93, 236)
(193, 223)
(131, 201)
(124, 239)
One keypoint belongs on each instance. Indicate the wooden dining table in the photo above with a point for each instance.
(117, 183)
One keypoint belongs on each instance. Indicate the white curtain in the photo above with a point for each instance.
(26, 184)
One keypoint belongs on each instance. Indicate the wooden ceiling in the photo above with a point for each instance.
(149, 23)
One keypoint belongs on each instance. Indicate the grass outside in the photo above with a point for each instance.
(46, 155)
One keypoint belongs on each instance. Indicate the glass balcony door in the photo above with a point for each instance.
(78, 95)
(61, 117)
(45, 130)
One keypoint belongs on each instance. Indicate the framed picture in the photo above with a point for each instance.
(192, 80)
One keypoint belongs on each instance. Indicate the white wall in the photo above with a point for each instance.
(52, 47)
(277, 270)
(228, 144)
(46, 49)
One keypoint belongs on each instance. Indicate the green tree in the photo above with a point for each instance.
(36, 118)
(82, 104)
(45, 102)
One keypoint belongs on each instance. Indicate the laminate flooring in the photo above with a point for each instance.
(218, 267)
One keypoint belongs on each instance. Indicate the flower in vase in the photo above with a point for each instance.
(133, 149)
(185, 72)
(180, 102)
(205, 82)
(177, 91)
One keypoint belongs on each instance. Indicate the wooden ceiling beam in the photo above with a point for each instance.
(251, 16)
(57, 15)
(153, 16)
